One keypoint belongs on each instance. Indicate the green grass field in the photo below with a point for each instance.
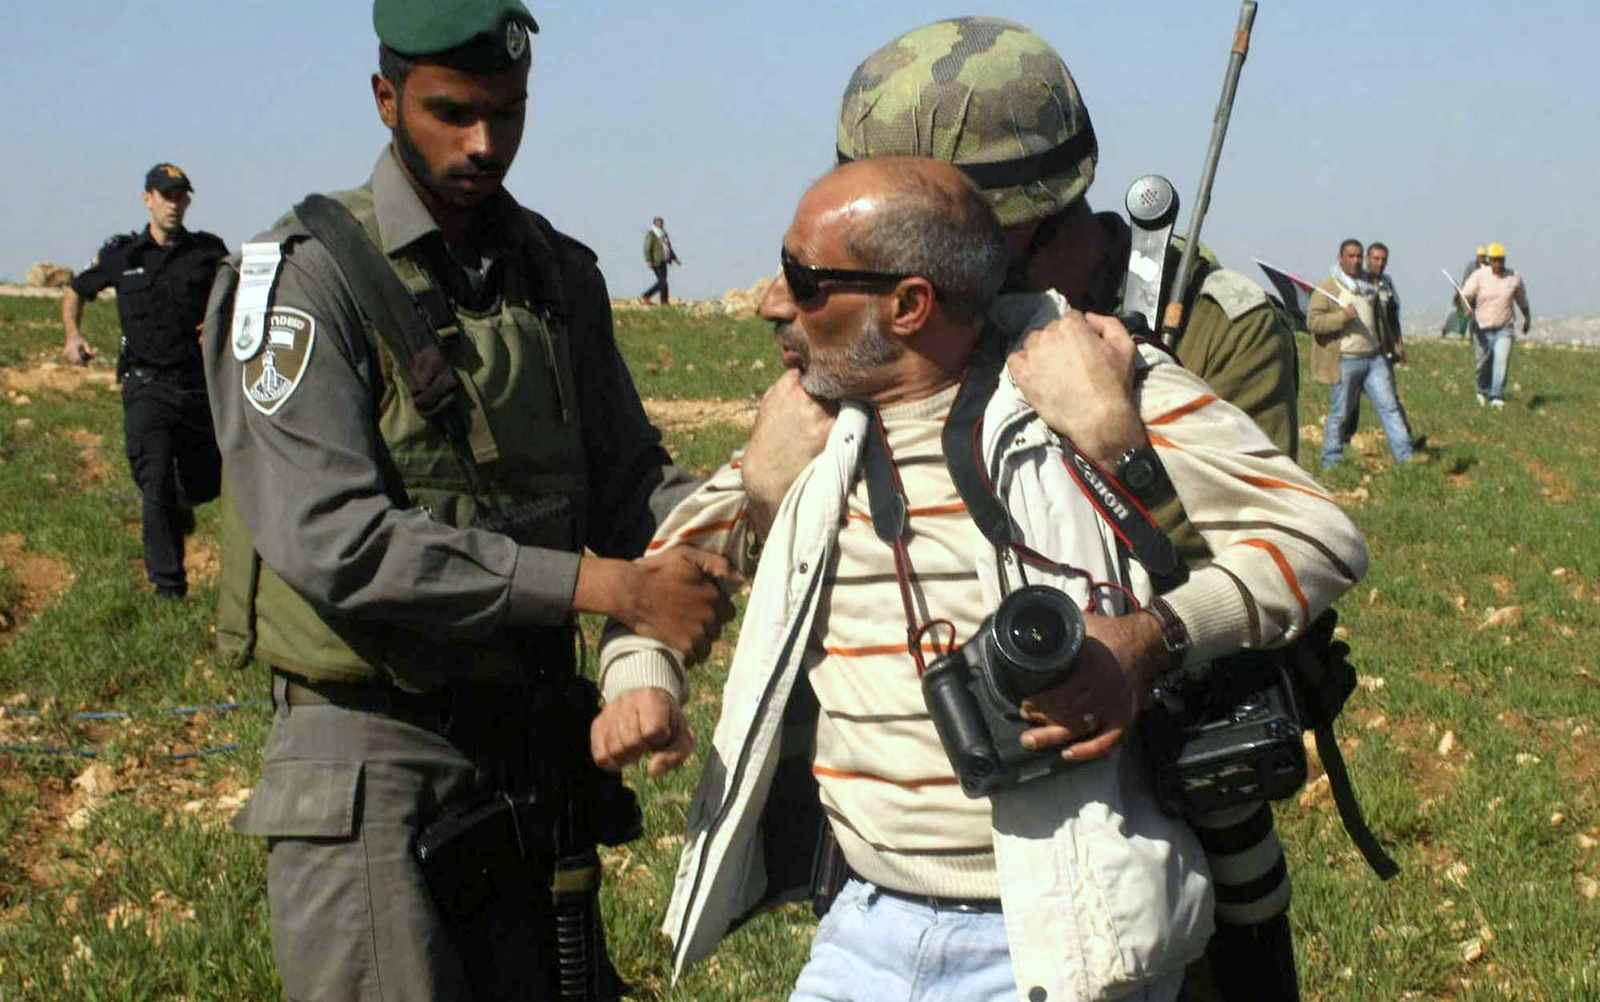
(1474, 739)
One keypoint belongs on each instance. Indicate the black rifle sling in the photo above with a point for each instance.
(405, 323)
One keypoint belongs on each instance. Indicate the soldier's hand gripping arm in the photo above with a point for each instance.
(674, 596)
(1077, 373)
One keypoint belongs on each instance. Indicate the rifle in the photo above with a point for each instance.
(1172, 319)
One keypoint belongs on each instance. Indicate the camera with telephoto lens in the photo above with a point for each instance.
(1224, 734)
(974, 694)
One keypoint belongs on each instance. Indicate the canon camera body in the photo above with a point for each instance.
(974, 693)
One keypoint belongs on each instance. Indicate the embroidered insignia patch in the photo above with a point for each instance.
(516, 40)
(270, 378)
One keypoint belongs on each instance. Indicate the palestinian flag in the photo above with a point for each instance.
(1292, 290)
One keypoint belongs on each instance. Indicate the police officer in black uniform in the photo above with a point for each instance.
(162, 276)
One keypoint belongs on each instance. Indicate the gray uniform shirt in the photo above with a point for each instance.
(307, 477)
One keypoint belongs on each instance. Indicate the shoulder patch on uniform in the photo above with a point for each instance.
(270, 378)
(1235, 293)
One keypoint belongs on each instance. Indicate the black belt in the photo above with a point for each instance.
(429, 710)
(182, 378)
(938, 902)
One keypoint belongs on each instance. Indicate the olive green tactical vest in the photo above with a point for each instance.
(515, 367)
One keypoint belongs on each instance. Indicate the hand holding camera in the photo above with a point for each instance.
(1089, 712)
(1037, 675)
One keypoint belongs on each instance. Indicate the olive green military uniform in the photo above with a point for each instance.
(996, 100)
(350, 567)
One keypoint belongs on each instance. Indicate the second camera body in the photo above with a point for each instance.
(974, 693)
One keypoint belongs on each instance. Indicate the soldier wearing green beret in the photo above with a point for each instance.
(435, 457)
(993, 98)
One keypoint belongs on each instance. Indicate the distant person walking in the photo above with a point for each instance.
(658, 253)
(162, 275)
(1343, 314)
(1459, 319)
(1491, 291)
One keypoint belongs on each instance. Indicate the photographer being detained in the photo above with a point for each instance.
(1070, 886)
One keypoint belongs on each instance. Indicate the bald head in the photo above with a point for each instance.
(915, 216)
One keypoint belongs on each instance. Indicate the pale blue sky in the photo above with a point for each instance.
(1430, 125)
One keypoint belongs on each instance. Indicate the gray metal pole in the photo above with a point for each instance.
(1172, 319)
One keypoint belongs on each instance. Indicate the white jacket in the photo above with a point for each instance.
(1102, 891)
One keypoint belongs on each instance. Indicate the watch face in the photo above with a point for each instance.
(1139, 474)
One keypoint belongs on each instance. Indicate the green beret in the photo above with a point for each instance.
(416, 28)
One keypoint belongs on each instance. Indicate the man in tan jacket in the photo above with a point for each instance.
(1341, 320)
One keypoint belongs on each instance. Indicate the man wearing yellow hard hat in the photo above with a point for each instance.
(1491, 292)
(1459, 319)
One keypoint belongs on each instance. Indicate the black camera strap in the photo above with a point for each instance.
(1324, 679)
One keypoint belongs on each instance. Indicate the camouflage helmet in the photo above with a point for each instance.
(985, 94)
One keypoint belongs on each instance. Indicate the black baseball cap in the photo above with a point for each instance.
(167, 177)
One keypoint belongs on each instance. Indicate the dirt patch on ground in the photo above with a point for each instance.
(1441, 680)
(1434, 754)
(56, 377)
(1578, 757)
(201, 561)
(39, 581)
(92, 465)
(1557, 488)
(678, 415)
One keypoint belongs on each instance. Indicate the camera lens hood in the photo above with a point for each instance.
(1035, 636)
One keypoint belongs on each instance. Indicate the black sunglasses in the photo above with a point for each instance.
(805, 281)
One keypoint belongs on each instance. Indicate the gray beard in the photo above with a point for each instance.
(840, 373)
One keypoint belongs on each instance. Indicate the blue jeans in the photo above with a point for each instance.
(1492, 351)
(872, 947)
(1374, 376)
